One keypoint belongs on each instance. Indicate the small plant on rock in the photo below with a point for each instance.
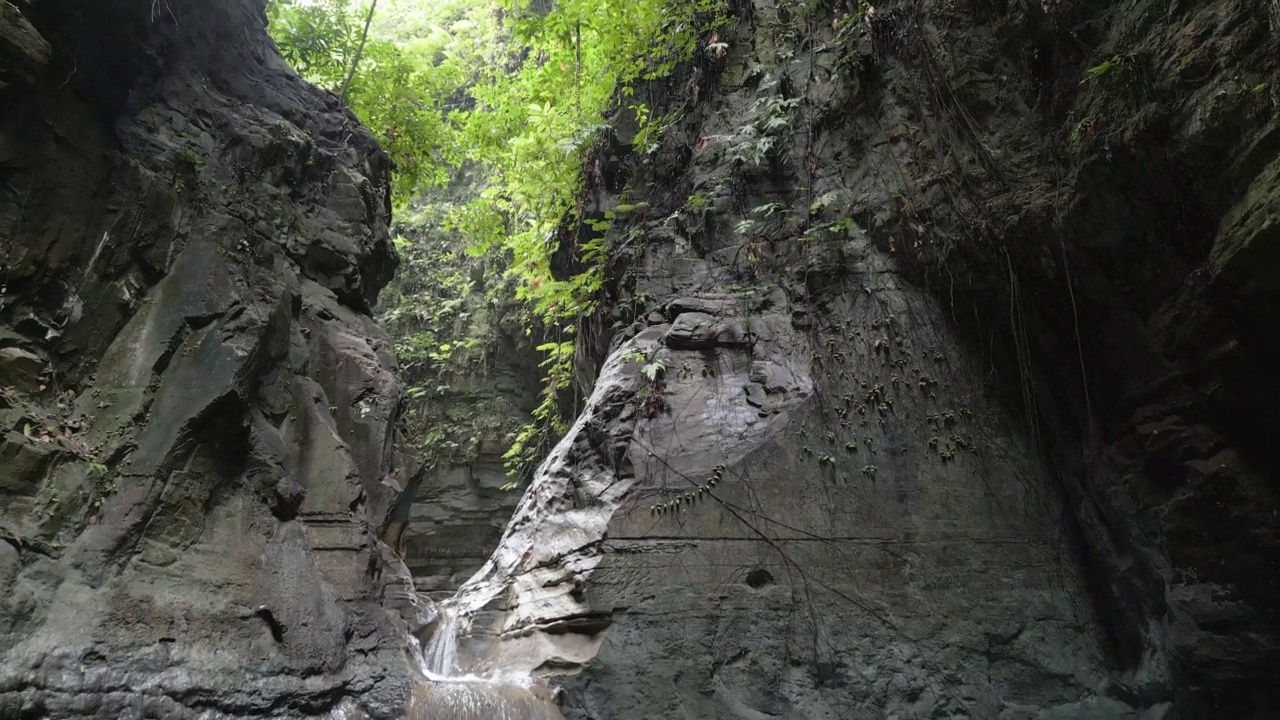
(652, 394)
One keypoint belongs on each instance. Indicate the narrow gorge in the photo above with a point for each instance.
(924, 375)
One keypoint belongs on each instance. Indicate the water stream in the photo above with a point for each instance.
(453, 689)
(440, 656)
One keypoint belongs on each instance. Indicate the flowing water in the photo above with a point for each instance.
(447, 692)
(440, 656)
(522, 614)
(463, 699)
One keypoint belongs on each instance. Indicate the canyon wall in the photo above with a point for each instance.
(937, 338)
(930, 379)
(199, 414)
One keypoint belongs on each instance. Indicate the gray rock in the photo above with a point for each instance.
(23, 51)
(896, 541)
(192, 518)
(21, 368)
(1246, 256)
(693, 330)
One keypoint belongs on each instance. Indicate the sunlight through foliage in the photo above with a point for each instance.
(515, 90)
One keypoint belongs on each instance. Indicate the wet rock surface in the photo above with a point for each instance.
(473, 700)
(198, 412)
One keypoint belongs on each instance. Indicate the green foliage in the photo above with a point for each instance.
(754, 143)
(824, 201)
(649, 136)
(839, 228)
(397, 96)
(533, 120)
(1102, 69)
(653, 370)
(514, 93)
(432, 312)
(651, 396)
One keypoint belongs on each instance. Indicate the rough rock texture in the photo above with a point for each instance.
(466, 403)
(943, 389)
(843, 544)
(198, 412)
(461, 508)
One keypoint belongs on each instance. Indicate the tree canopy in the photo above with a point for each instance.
(513, 90)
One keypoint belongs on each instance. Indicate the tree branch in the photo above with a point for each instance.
(342, 94)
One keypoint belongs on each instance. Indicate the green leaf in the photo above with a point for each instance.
(511, 95)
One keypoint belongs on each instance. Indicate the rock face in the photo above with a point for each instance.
(466, 403)
(793, 521)
(938, 379)
(198, 412)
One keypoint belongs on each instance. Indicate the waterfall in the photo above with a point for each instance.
(440, 657)
(522, 616)
(450, 691)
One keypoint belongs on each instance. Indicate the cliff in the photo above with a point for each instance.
(198, 412)
(931, 380)
(937, 382)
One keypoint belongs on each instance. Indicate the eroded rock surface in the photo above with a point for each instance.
(781, 526)
(938, 384)
(198, 412)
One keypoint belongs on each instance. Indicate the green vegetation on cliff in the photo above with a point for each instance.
(513, 90)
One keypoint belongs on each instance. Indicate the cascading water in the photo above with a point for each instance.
(439, 659)
(448, 693)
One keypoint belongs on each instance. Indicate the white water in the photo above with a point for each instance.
(96, 252)
(449, 693)
(439, 659)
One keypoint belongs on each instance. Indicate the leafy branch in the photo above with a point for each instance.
(513, 95)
